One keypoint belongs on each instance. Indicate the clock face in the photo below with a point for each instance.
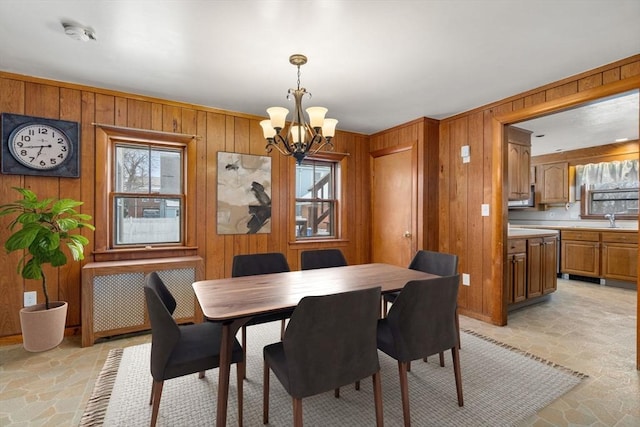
(39, 146)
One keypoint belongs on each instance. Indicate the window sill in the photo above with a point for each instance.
(144, 253)
(319, 242)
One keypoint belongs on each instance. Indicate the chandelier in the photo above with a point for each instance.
(302, 138)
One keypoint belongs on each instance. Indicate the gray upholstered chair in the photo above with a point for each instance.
(321, 258)
(252, 265)
(421, 322)
(330, 342)
(178, 350)
(438, 263)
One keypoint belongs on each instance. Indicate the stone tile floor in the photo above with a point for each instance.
(585, 327)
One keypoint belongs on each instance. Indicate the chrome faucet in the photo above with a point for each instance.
(612, 220)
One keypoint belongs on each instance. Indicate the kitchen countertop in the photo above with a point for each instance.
(572, 227)
(521, 232)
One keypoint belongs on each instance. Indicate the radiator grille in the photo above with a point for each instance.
(119, 298)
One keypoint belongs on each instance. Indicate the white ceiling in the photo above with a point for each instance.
(374, 64)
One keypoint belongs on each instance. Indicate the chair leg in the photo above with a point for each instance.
(357, 385)
(201, 375)
(240, 370)
(458, 327)
(377, 397)
(442, 359)
(409, 366)
(456, 370)
(404, 391)
(283, 326)
(244, 353)
(336, 393)
(297, 412)
(265, 394)
(156, 393)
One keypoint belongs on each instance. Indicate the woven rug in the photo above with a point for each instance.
(501, 387)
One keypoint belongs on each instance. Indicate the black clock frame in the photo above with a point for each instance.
(70, 168)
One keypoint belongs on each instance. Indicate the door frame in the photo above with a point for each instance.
(499, 196)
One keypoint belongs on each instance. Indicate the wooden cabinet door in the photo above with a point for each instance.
(519, 265)
(535, 267)
(519, 167)
(554, 182)
(580, 257)
(620, 261)
(549, 262)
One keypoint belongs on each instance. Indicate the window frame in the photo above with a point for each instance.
(338, 164)
(107, 137)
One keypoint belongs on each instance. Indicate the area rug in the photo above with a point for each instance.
(501, 387)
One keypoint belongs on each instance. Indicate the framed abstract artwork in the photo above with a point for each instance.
(244, 193)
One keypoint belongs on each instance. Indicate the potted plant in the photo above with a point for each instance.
(42, 229)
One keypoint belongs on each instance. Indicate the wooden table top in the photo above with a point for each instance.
(238, 297)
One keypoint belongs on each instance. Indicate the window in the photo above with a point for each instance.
(316, 199)
(144, 194)
(141, 171)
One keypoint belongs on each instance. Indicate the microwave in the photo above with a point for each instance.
(526, 203)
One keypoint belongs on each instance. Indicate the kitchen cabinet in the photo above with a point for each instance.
(553, 182)
(519, 163)
(517, 270)
(620, 255)
(531, 266)
(541, 266)
(580, 253)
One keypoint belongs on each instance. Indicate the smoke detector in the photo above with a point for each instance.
(77, 32)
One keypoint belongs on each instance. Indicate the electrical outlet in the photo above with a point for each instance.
(30, 298)
(466, 279)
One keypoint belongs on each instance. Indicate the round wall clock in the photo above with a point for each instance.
(39, 146)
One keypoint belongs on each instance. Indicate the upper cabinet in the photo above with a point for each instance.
(553, 182)
(519, 166)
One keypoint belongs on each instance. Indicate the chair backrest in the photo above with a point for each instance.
(438, 263)
(322, 258)
(252, 264)
(165, 332)
(330, 341)
(422, 318)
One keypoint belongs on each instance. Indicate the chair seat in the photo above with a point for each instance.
(189, 355)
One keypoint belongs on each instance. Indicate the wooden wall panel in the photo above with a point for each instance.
(466, 128)
(218, 131)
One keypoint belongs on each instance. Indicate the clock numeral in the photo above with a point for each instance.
(43, 131)
(43, 163)
(61, 141)
(25, 138)
(53, 161)
(23, 152)
(63, 148)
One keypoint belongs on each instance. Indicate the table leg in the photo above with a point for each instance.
(223, 375)
(229, 330)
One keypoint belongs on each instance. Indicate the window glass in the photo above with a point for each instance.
(147, 202)
(315, 199)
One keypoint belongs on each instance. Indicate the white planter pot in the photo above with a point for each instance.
(43, 329)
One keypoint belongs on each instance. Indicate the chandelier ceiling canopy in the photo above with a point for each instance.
(302, 137)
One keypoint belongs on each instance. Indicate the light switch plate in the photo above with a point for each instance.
(464, 151)
(466, 279)
(485, 209)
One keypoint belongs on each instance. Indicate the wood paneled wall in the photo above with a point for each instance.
(463, 188)
(220, 131)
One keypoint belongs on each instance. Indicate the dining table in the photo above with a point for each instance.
(234, 301)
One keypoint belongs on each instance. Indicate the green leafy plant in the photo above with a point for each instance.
(43, 227)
